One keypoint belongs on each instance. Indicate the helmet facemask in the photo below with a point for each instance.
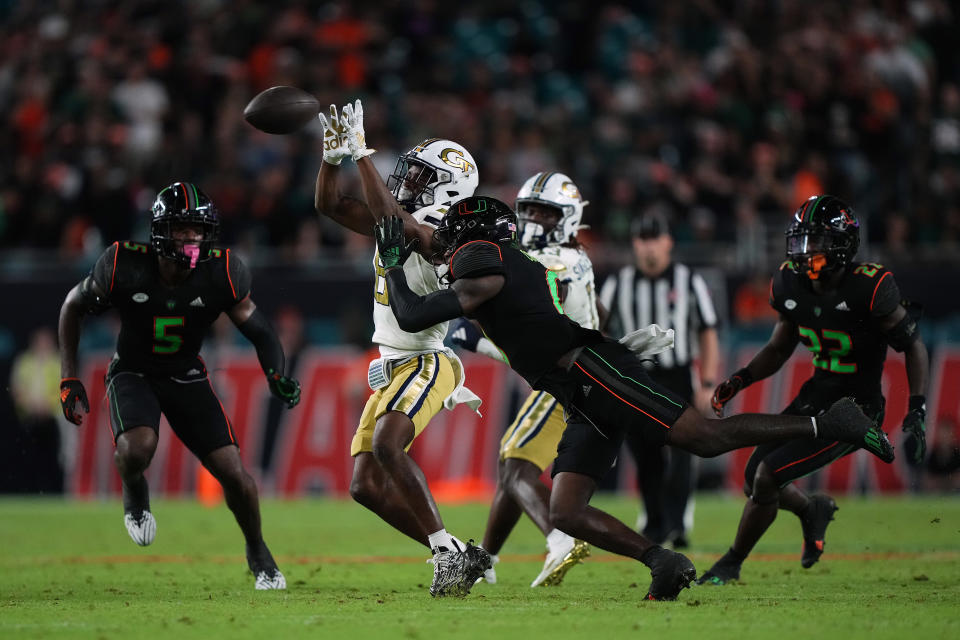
(413, 182)
(817, 252)
(184, 252)
(532, 233)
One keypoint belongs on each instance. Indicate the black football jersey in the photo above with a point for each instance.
(162, 328)
(525, 319)
(840, 327)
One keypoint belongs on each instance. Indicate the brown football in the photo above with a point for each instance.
(281, 109)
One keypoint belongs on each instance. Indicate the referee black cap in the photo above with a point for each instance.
(651, 224)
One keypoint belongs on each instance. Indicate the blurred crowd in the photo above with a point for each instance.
(725, 113)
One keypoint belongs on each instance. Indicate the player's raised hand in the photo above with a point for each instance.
(287, 389)
(72, 391)
(915, 441)
(727, 389)
(352, 121)
(391, 245)
(335, 147)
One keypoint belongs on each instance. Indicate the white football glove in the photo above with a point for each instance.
(352, 122)
(335, 147)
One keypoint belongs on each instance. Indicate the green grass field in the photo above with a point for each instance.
(891, 570)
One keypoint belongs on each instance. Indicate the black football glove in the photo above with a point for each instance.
(391, 245)
(287, 389)
(71, 390)
(915, 442)
(728, 388)
(464, 334)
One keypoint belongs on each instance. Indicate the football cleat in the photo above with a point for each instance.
(561, 560)
(448, 572)
(724, 571)
(455, 571)
(672, 573)
(141, 526)
(270, 579)
(814, 523)
(844, 421)
(490, 575)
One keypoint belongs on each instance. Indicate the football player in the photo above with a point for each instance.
(846, 313)
(550, 210)
(168, 293)
(600, 383)
(416, 375)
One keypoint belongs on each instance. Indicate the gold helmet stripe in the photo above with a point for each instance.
(541, 182)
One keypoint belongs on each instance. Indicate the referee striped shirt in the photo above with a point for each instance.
(677, 299)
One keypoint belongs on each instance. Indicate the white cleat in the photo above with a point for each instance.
(267, 580)
(142, 530)
(561, 560)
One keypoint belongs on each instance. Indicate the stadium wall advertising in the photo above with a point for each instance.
(458, 451)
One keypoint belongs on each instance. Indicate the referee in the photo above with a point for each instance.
(658, 290)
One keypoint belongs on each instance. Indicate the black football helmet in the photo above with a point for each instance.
(474, 218)
(823, 237)
(183, 203)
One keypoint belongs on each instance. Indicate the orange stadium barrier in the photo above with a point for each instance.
(458, 451)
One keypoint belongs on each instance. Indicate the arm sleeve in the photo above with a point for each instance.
(416, 313)
(261, 335)
(104, 272)
(239, 278)
(885, 296)
(476, 259)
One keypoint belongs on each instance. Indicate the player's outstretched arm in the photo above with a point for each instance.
(328, 200)
(468, 335)
(255, 327)
(381, 202)
(415, 312)
(768, 361)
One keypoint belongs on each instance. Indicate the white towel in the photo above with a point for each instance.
(649, 340)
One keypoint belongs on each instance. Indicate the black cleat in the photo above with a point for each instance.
(672, 572)
(814, 523)
(724, 571)
(844, 421)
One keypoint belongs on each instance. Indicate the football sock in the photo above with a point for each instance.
(442, 539)
(556, 538)
(732, 558)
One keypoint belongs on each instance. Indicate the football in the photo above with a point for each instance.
(281, 109)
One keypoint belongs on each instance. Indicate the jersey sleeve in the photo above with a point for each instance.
(239, 278)
(476, 259)
(885, 295)
(778, 288)
(104, 272)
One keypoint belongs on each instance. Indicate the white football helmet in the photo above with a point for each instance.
(448, 173)
(553, 190)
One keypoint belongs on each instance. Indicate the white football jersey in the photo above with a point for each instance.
(575, 269)
(422, 279)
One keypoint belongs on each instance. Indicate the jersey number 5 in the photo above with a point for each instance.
(831, 359)
(380, 291)
(163, 340)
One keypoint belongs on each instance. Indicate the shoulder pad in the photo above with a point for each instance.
(475, 259)
(239, 278)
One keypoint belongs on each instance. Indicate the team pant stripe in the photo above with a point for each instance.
(624, 387)
(415, 388)
(812, 455)
(426, 392)
(515, 427)
(399, 394)
(548, 410)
